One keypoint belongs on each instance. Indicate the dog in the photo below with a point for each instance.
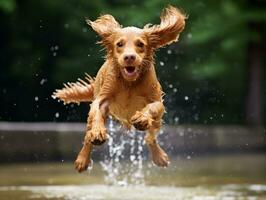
(126, 86)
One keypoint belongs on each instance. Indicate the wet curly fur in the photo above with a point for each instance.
(126, 86)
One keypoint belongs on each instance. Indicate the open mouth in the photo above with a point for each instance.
(130, 70)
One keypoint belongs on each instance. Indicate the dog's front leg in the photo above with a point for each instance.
(95, 133)
(150, 119)
(83, 160)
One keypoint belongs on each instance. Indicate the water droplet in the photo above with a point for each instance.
(57, 115)
(54, 54)
(189, 35)
(90, 166)
(84, 29)
(170, 85)
(174, 90)
(117, 172)
(36, 98)
(169, 51)
(188, 157)
(132, 158)
(161, 63)
(122, 183)
(196, 117)
(186, 98)
(43, 81)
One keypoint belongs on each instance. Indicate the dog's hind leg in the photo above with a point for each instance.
(150, 119)
(80, 91)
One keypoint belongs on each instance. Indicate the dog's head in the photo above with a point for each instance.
(132, 48)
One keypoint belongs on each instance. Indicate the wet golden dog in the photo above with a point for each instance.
(126, 86)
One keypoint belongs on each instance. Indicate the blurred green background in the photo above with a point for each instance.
(215, 74)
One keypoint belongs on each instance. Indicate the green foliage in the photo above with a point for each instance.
(46, 43)
(7, 6)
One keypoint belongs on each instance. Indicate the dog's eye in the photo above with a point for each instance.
(140, 44)
(119, 44)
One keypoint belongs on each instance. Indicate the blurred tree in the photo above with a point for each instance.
(206, 75)
(256, 23)
(7, 6)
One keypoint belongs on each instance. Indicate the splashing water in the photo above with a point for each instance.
(118, 170)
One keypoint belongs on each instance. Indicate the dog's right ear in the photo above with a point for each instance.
(105, 26)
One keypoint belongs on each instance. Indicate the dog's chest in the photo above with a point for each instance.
(125, 104)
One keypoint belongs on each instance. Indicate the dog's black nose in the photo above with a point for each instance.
(130, 58)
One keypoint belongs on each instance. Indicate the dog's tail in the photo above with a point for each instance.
(80, 91)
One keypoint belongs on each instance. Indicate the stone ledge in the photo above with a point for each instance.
(62, 141)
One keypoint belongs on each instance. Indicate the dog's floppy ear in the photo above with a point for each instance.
(105, 26)
(172, 24)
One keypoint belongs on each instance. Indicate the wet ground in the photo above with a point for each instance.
(226, 177)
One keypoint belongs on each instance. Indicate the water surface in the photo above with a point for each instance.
(226, 177)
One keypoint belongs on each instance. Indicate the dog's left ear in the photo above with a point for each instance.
(105, 26)
(172, 24)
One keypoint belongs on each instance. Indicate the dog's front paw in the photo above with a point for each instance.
(82, 163)
(159, 157)
(141, 121)
(97, 135)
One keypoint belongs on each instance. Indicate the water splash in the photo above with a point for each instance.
(123, 163)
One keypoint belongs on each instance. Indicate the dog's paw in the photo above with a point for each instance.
(159, 157)
(97, 135)
(82, 163)
(141, 121)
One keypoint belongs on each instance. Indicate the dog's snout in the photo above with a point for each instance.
(130, 58)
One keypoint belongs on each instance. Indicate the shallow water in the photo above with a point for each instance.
(226, 177)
